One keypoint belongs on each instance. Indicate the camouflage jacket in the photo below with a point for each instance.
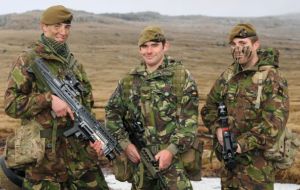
(151, 97)
(254, 128)
(24, 97)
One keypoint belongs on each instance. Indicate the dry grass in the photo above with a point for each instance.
(109, 50)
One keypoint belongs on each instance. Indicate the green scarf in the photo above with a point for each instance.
(58, 48)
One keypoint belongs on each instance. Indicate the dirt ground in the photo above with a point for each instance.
(108, 50)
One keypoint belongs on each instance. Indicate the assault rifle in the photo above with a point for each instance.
(229, 143)
(136, 130)
(86, 124)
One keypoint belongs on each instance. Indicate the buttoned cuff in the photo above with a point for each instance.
(213, 128)
(45, 99)
(124, 143)
(173, 149)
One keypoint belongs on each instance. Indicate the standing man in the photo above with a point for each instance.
(256, 97)
(68, 163)
(162, 95)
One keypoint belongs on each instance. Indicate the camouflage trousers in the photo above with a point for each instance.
(91, 180)
(256, 175)
(175, 177)
(72, 166)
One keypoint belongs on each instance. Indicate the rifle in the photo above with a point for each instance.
(229, 143)
(86, 124)
(136, 130)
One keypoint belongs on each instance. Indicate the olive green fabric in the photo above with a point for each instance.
(165, 128)
(242, 31)
(255, 128)
(283, 151)
(56, 14)
(151, 33)
(25, 146)
(60, 49)
(67, 160)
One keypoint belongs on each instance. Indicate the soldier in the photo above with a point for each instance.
(148, 94)
(68, 163)
(256, 96)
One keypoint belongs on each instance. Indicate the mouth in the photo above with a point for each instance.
(238, 56)
(149, 57)
(60, 39)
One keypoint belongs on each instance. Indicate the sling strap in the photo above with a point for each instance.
(10, 174)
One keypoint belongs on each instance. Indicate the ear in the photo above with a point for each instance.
(256, 45)
(43, 26)
(167, 46)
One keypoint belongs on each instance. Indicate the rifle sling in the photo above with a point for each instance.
(47, 133)
(10, 174)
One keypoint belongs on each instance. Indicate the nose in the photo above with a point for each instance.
(63, 30)
(149, 50)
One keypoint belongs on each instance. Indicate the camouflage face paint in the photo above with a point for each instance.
(239, 53)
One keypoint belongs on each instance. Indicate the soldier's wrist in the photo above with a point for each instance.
(124, 143)
(47, 102)
(173, 149)
(214, 130)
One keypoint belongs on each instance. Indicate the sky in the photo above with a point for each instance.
(233, 8)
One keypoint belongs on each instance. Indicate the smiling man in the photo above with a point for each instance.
(68, 162)
(256, 97)
(161, 95)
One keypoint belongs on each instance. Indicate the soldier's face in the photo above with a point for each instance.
(153, 53)
(58, 32)
(243, 50)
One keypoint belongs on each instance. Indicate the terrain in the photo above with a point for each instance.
(106, 44)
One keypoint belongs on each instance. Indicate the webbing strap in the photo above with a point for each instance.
(54, 137)
(178, 83)
(127, 85)
(259, 90)
(141, 171)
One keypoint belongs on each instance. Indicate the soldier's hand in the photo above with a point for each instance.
(61, 108)
(132, 153)
(164, 158)
(98, 147)
(219, 134)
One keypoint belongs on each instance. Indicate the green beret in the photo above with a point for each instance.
(151, 33)
(242, 31)
(56, 14)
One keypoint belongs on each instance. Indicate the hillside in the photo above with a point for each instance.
(106, 44)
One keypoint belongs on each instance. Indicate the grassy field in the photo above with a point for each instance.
(107, 47)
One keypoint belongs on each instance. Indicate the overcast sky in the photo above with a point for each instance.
(239, 8)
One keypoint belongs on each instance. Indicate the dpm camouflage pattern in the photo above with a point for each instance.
(153, 101)
(66, 159)
(255, 129)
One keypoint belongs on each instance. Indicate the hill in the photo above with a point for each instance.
(106, 44)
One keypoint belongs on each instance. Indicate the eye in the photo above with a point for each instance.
(242, 43)
(155, 45)
(232, 45)
(57, 26)
(67, 26)
(143, 46)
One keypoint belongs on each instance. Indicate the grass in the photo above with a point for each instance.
(109, 50)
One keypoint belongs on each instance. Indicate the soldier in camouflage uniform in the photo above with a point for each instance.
(256, 96)
(69, 163)
(148, 93)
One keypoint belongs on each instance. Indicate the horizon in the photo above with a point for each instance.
(213, 8)
(137, 12)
